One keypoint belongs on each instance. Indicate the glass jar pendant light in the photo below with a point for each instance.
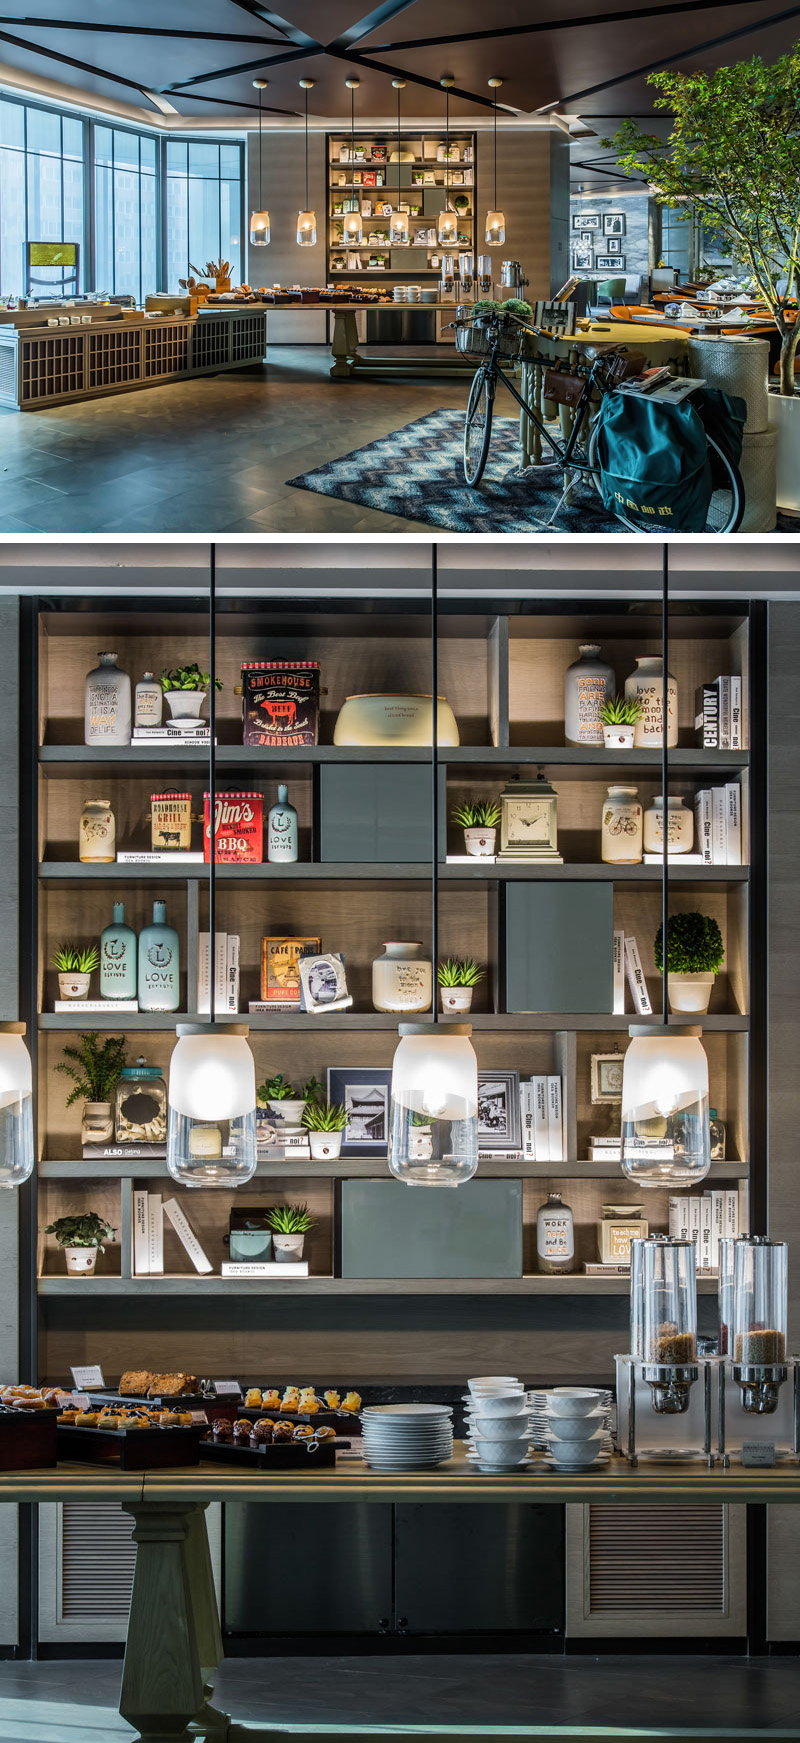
(352, 228)
(447, 227)
(16, 1106)
(211, 1123)
(306, 220)
(259, 220)
(398, 222)
(495, 220)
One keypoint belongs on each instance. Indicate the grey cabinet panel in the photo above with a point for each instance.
(307, 1570)
(378, 812)
(559, 946)
(389, 1230)
(479, 1569)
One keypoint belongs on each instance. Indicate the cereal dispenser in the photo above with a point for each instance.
(759, 1391)
(663, 1386)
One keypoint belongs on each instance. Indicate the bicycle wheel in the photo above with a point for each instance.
(725, 510)
(478, 427)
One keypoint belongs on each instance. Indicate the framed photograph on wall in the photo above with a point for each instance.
(613, 245)
(365, 1092)
(499, 1123)
(610, 262)
(586, 220)
(587, 236)
(613, 223)
(582, 258)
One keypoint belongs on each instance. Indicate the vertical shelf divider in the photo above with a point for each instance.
(126, 1225)
(497, 682)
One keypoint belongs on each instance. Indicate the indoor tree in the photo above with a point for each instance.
(733, 154)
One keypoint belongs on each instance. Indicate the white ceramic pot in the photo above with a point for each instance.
(480, 842)
(402, 978)
(287, 1248)
(395, 719)
(420, 1144)
(784, 416)
(621, 827)
(680, 826)
(619, 737)
(325, 1146)
(645, 686)
(291, 1112)
(97, 1123)
(74, 986)
(81, 1261)
(457, 998)
(690, 992)
(185, 704)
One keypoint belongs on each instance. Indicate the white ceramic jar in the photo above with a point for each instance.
(97, 835)
(555, 1236)
(395, 719)
(588, 683)
(621, 827)
(402, 978)
(646, 684)
(680, 826)
(107, 703)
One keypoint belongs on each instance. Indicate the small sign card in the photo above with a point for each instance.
(87, 1378)
(227, 1389)
(755, 1452)
(198, 1417)
(75, 1400)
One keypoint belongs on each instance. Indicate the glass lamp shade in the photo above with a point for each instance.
(306, 229)
(259, 229)
(211, 1131)
(433, 1137)
(16, 1106)
(398, 229)
(447, 228)
(352, 228)
(665, 1131)
(495, 229)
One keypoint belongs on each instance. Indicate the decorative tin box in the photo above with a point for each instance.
(238, 827)
(280, 702)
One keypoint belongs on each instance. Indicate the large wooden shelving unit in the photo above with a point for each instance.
(408, 261)
(502, 668)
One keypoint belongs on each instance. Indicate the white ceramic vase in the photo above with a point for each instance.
(185, 704)
(325, 1146)
(480, 842)
(457, 998)
(619, 737)
(74, 986)
(402, 978)
(645, 685)
(680, 826)
(97, 1123)
(287, 1248)
(80, 1261)
(621, 827)
(690, 993)
(395, 719)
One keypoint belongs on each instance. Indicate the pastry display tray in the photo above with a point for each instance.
(284, 1456)
(28, 1440)
(133, 1449)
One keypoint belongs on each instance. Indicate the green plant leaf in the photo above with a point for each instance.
(695, 945)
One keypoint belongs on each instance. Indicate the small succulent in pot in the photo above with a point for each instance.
(620, 715)
(281, 1096)
(75, 965)
(290, 1223)
(186, 688)
(458, 978)
(479, 819)
(325, 1123)
(695, 954)
(81, 1238)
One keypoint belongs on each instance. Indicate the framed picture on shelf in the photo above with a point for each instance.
(583, 258)
(613, 223)
(364, 1091)
(586, 221)
(606, 1069)
(499, 1124)
(610, 262)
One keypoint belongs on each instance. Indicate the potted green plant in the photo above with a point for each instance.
(81, 1238)
(281, 1096)
(619, 715)
(186, 688)
(420, 1138)
(458, 978)
(695, 953)
(325, 1122)
(730, 161)
(75, 965)
(95, 1068)
(479, 819)
(290, 1223)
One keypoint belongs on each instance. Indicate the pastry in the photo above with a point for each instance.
(333, 1400)
(324, 1433)
(303, 1431)
(283, 1431)
(241, 1431)
(351, 1401)
(223, 1429)
(252, 1398)
(183, 1418)
(308, 1404)
(67, 1415)
(290, 1403)
(169, 1419)
(171, 1385)
(264, 1431)
(135, 1383)
(87, 1418)
(271, 1400)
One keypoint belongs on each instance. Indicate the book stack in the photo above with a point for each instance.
(124, 1152)
(541, 1108)
(173, 732)
(226, 973)
(149, 1211)
(606, 1148)
(626, 950)
(705, 1219)
(718, 714)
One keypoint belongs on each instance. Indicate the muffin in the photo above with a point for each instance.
(283, 1431)
(223, 1430)
(264, 1431)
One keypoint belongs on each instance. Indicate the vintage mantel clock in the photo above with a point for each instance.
(529, 821)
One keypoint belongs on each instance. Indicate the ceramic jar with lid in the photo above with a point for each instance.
(97, 834)
(555, 1236)
(646, 686)
(621, 827)
(589, 681)
(402, 978)
(680, 826)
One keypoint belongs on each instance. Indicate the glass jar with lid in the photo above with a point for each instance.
(141, 1105)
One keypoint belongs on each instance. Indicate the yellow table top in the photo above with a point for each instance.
(624, 333)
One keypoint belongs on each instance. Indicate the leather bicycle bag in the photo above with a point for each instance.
(563, 388)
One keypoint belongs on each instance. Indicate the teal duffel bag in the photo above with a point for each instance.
(654, 462)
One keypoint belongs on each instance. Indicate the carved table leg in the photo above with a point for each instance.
(344, 345)
(174, 1644)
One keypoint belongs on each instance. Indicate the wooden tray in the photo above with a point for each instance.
(285, 1455)
(28, 1440)
(134, 1449)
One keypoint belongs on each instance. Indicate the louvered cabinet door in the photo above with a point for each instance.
(86, 1562)
(656, 1571)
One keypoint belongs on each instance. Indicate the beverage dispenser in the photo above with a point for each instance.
(485, 279)
(663, 1385)
(759, 1390)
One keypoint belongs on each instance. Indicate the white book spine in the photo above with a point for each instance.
(684, 1232)
(731, 1213)
(541, 1125)
(706, 1233)
(141, 1235)
(526, 1114)
(733, 822)
(719, 825)
(555, 1120)
(220, 971)
(186, 1235)
(718, 1226)
(674, 1224)
(702, 815)
(619, 974)
(743, 1208)
(695, 1202)
(736, 713)
(232, 974)
(203, 973)
(724, 686)
(155, 1235)
(636, 980)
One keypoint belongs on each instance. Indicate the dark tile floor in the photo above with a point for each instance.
(68, 1702)
(209, 455)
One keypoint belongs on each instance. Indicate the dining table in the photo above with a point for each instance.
(658, 344)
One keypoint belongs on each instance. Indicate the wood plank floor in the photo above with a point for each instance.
(75, 1702)
(210, 455)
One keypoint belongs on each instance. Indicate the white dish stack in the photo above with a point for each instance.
(498, 1422)
(576, 1431)
(407, 1437)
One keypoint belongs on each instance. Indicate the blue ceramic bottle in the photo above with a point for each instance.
(282, 829)
(118, 958)
(159, 964)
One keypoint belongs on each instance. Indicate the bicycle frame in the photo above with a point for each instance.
(562, 450)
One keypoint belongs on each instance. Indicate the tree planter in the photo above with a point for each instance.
(185, 704)
(784, 416)
(619, 737)
(287, 1248)
(480, 842)
(80, 1261)
(325, 1146)
(690, 993)
(74, 986)
(457, 998)
(97, 1123)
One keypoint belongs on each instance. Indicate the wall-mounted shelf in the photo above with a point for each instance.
(52, 871)
(64, 756)
(364, 1168)
(137, 1288)
(351, 1022)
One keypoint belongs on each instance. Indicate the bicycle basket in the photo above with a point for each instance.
(477, 336)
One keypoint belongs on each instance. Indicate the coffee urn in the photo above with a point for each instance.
(759, 1387)
(664, 1390)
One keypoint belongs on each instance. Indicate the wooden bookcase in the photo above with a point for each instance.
(422, 185)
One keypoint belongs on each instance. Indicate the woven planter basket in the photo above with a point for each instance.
(737, 366)
(758, 467)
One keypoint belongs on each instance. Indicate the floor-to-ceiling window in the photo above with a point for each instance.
(41, 190)
(126, 212)
(204, 207)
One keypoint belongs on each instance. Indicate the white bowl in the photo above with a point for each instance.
(572, 1401)
(576, 1427)
(576, 1452)
(495, 1428)
(494, 1381)
(499, 1404)
(498, 1451)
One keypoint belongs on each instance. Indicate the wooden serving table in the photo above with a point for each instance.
(659, 345)
(174, 1642)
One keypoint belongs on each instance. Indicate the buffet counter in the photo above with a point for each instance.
(174, 1640)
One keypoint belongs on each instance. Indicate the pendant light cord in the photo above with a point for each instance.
(260, 94)
(435, 775)
(495, 151)
(212, 771)
(399, 149)
(352, 146)
(446, 151)
(307, 150)
(664, 783)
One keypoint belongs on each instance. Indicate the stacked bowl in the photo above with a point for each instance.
(407, 1437)
(497, 1418)
(576, 1430)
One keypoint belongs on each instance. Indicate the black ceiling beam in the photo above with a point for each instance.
(232, 103)
(289, 54)
(671, 59)
(285, 29)
(542, 26)
(356, 59)
(597, 169)
(372, 21)
(29, 23)
(68, 60)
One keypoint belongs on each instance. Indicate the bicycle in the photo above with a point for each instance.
(501, 334)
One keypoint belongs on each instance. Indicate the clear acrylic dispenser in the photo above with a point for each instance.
(759, 1384)
(664, 1391)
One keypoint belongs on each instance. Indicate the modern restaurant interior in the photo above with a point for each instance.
(399, 1243)
(272, 223)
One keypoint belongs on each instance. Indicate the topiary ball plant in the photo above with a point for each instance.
(694, 945)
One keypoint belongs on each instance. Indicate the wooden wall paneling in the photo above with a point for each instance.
(737, 1098)
(10, 1012)
(524, 192)
(284, 192)
(637, 912)
(497, 681)
(59, 1198)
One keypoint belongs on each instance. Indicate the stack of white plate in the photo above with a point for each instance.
(427, 295)
(400, 293)
(407, 1437)
(497, 1422)
(577, 1428)
(414, 293)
